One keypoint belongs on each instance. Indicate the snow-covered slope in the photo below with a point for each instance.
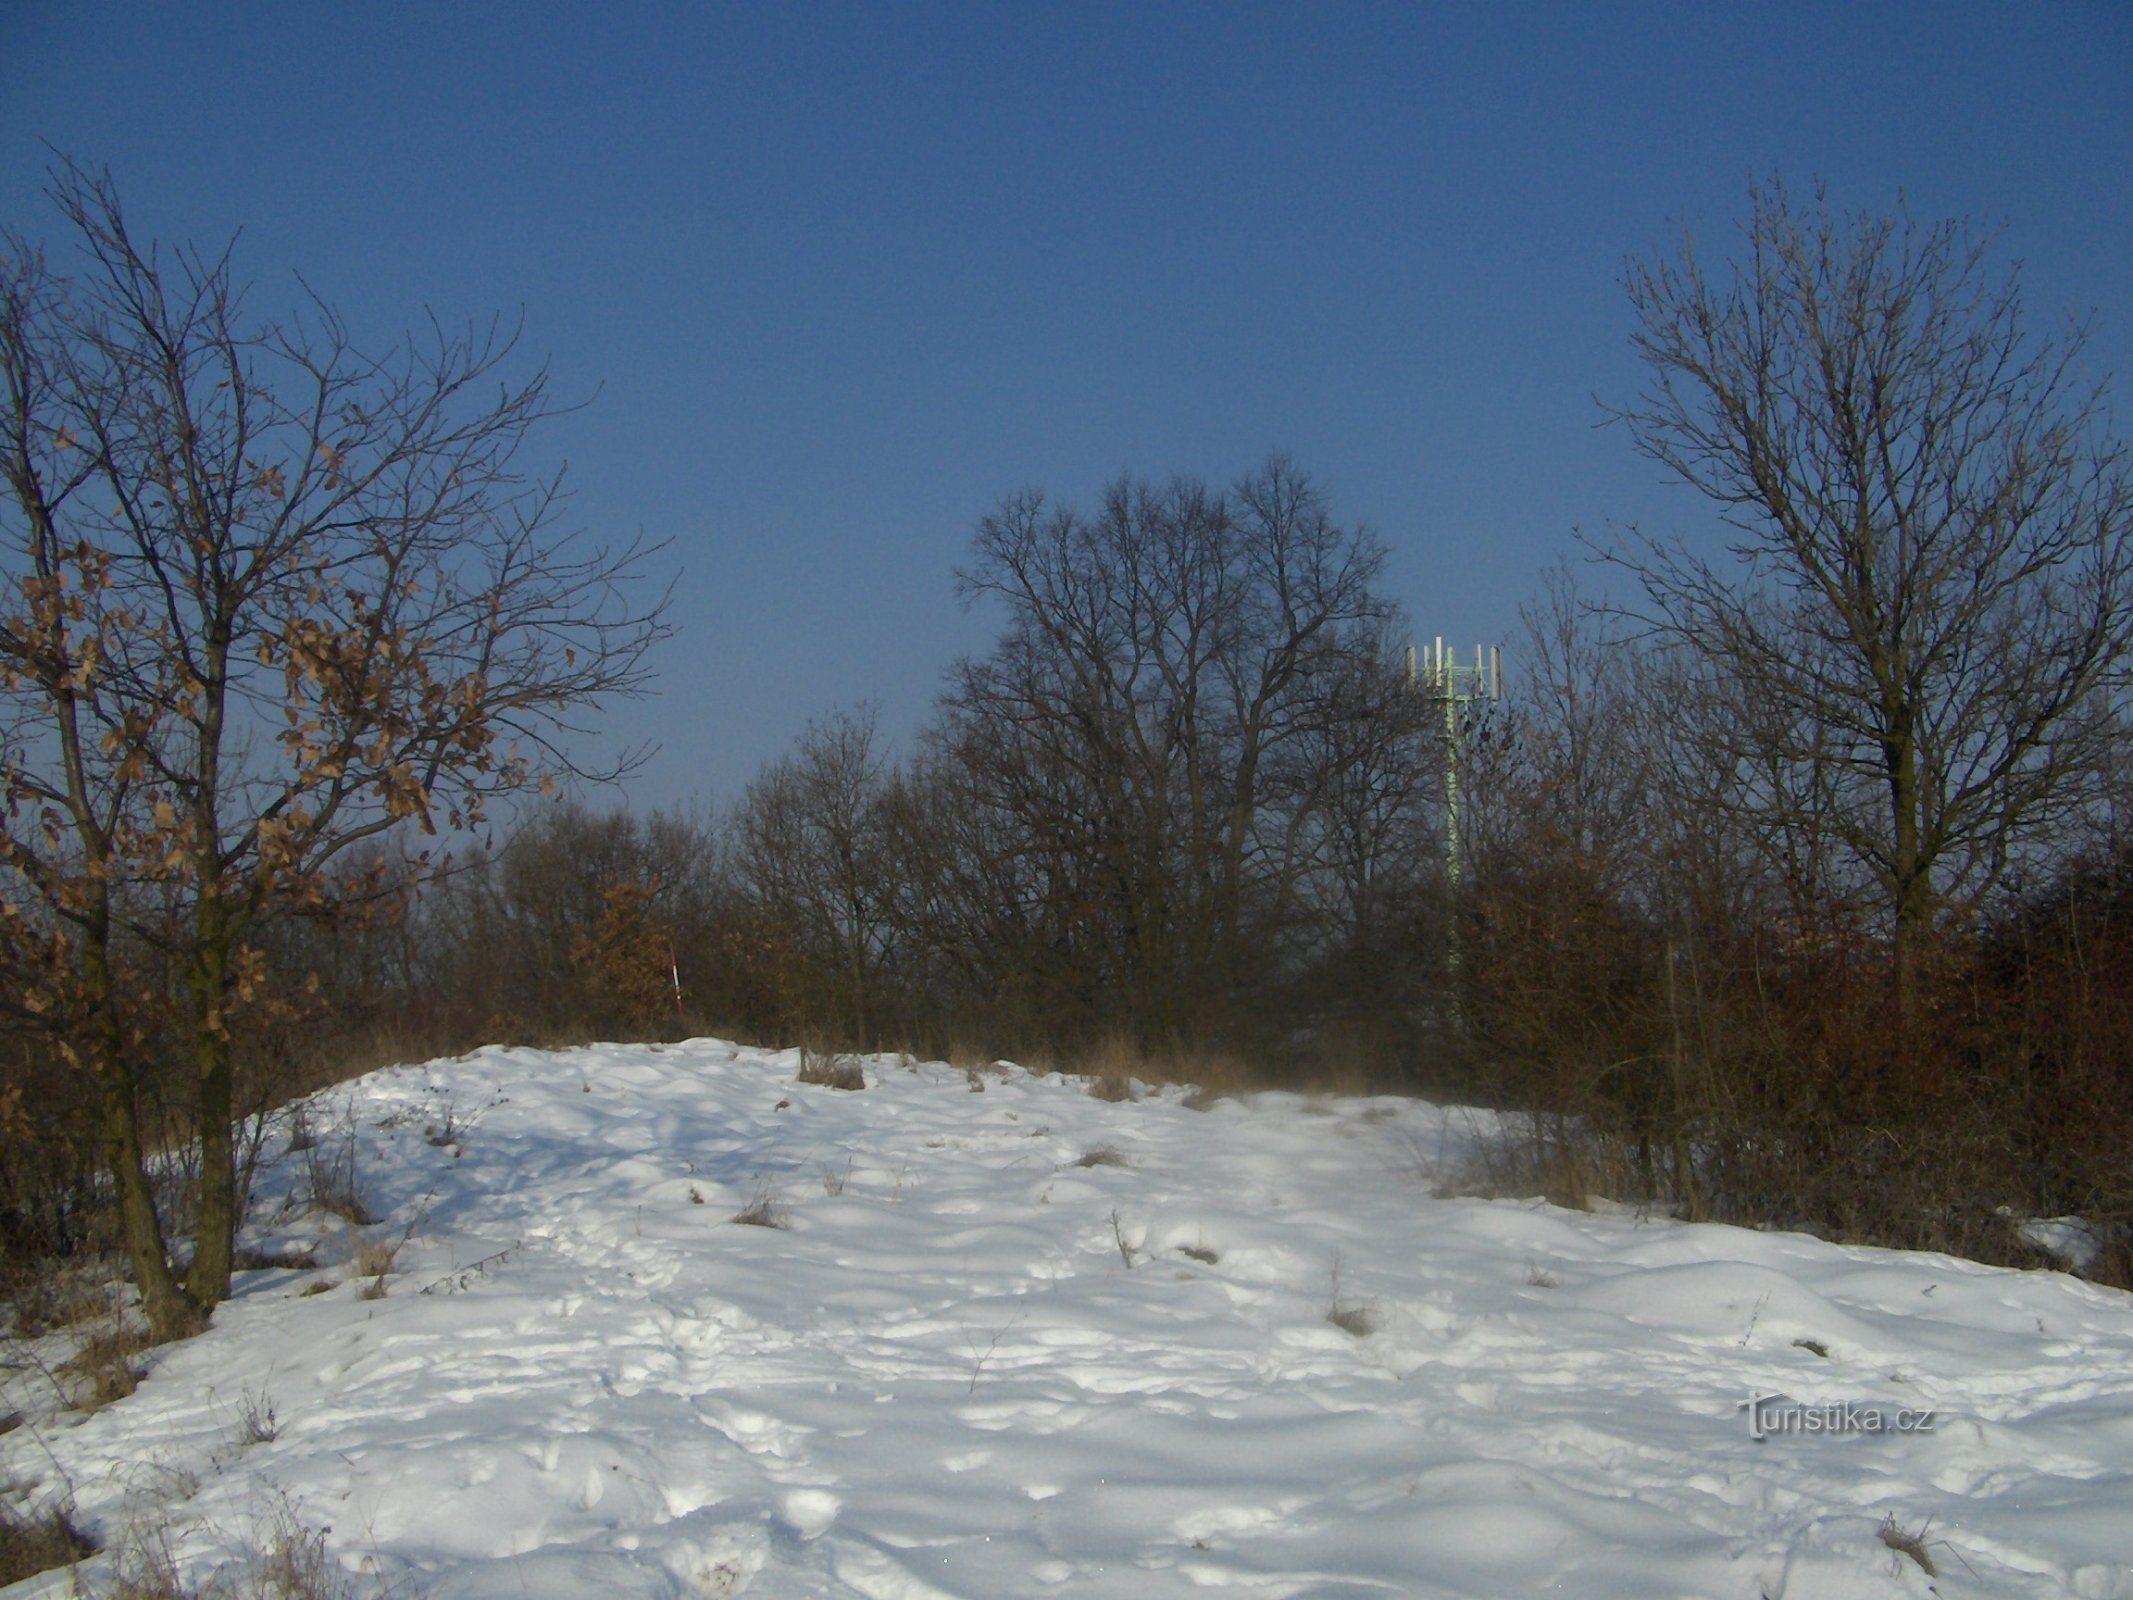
(944, 1378)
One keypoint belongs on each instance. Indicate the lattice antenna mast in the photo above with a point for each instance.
(1438, 673)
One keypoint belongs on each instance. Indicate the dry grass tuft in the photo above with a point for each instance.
(831, 1071)
(1118, 1233)
(294, 1566)
(1115, 1065)
(1103, 1156)
(107, 1367)
(287, 1562)
(1214, 1075)
(149, 1571)
(968, 1054)
(763, 1211)
(44, 1295)
(1111, 1065)
(39, 1542)
(374, 1259)
(1360, 1321)
(1910, 1544)
(83, 1298)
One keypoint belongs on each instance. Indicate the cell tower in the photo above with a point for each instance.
(1439, 674)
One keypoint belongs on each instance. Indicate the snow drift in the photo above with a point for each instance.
(963, 1363)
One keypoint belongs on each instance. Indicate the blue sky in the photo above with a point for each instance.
(838, 277)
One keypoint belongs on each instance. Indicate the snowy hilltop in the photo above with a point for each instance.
(993, 1336)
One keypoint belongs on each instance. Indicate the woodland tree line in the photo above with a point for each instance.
(1794, 883)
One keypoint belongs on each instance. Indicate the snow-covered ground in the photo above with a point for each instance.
(972, 1366)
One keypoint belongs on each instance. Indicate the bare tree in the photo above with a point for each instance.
(267, 597)
(1369, 762)
(1929, 580)
(1561, 895)
(1163, 663)
(811, 835)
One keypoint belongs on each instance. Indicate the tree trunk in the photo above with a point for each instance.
(1688, 1189)
(207, 1281)
(1913, 889)
(170, 1314)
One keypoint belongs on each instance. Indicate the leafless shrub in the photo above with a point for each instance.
(980, 1357)
(331, 1168)
(1562, 1160)
(1118, 1233)
(833, 1181)
(248, 1259)
(449, 1133)
(257, 1422)
(461, 1279)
